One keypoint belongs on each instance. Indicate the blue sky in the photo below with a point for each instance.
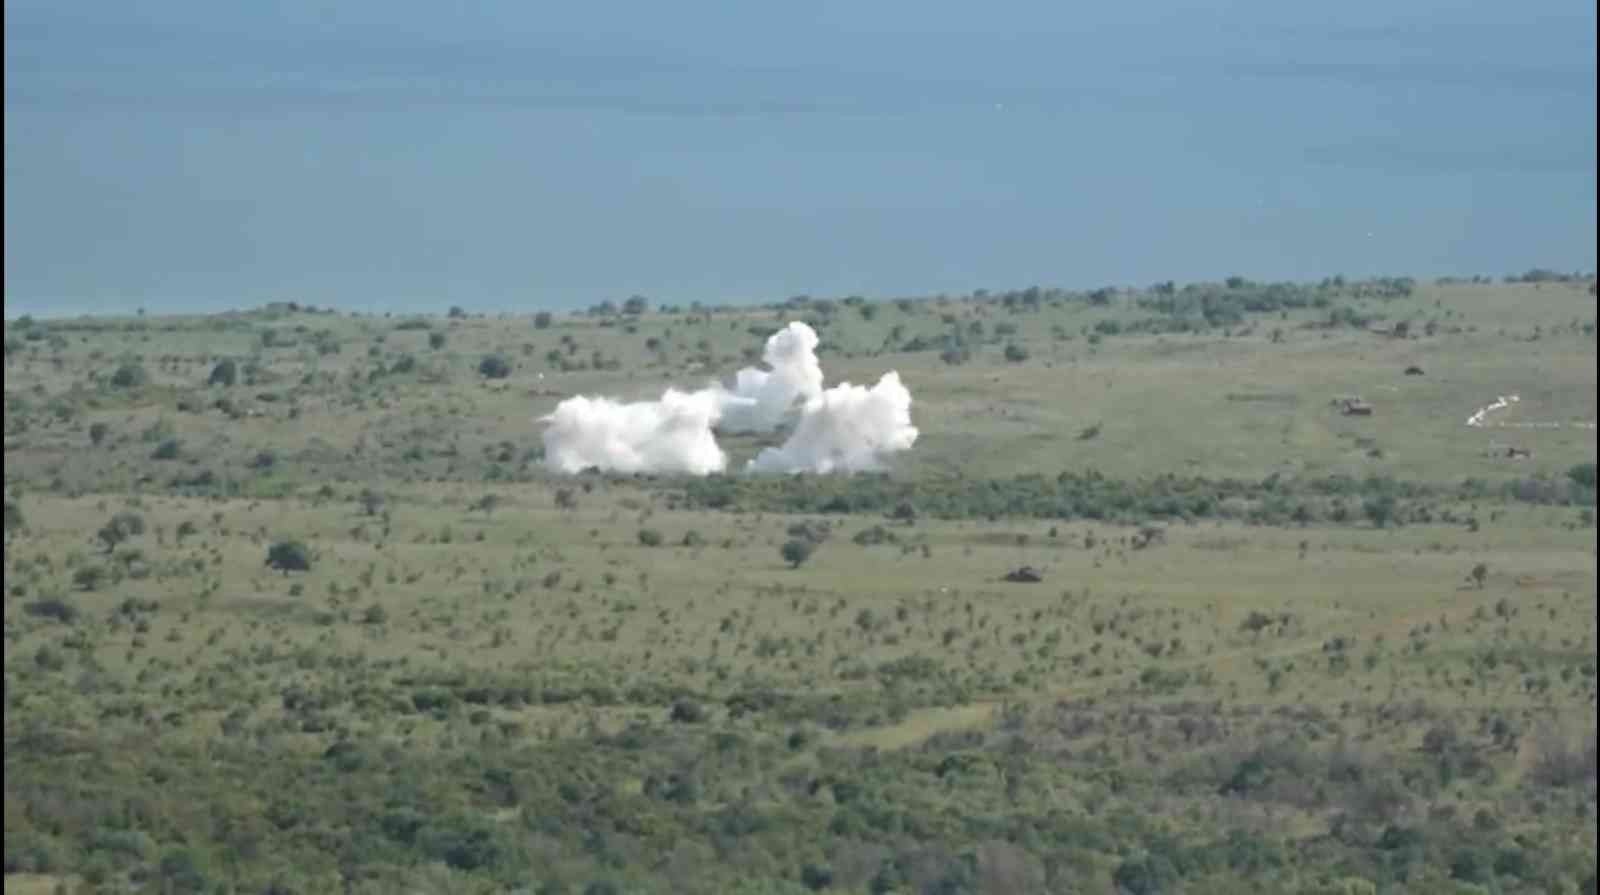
(185, 156)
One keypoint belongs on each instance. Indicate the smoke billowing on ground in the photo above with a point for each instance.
(847, 428)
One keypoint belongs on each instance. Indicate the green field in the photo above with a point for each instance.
(1276, 648)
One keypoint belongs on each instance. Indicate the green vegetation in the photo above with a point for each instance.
(347, 634)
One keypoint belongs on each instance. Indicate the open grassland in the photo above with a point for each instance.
(1275, 648)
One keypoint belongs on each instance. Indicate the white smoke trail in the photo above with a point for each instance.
(843, 429)
(1500, 403)
(849, 428)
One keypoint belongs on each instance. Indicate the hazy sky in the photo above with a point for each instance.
(410, 155)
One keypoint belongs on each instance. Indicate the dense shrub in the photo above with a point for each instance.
(225, 373)
(796, 552)
(1070, 495)
(130, 376)
(493, 366)
(289, 556)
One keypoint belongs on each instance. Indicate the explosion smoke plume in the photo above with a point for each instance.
(842, 429)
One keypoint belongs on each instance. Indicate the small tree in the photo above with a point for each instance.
(436, 340)
(98, 433)
(289, 556)
(371, 501)
(89, 577)
(1380, 510)
(457, 312)
(542, 320)
(817, 877)
(796, 552)
(225, 373)
(1480, 574)
(493, 366)
(1583, 474)
(487, 504)
(130, 376)
(1015, 353)
(1146, 874)
(687, 711)
(120, 528)
(1256, 622)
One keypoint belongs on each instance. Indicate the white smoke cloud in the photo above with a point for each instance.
(843, 429)
(670, 435)
(848, 428)
(795, 378)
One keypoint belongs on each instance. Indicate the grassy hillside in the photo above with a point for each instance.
(1276, 648)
